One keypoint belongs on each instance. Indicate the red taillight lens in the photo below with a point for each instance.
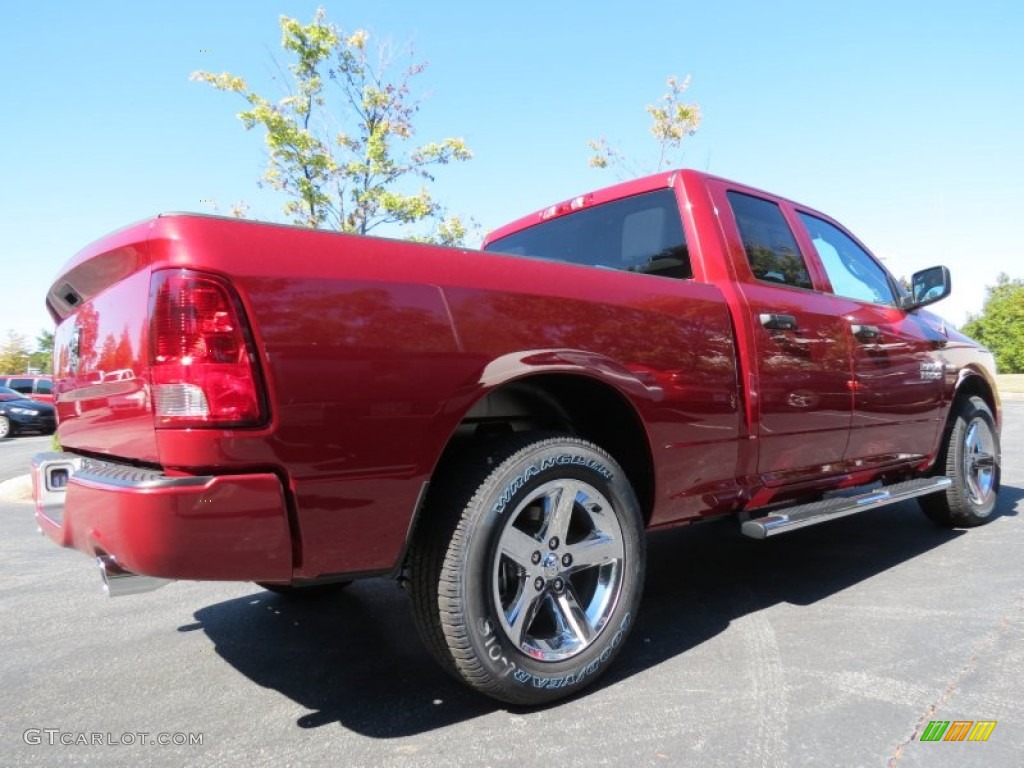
(201, 360)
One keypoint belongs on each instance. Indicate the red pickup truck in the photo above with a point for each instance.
(497, 429)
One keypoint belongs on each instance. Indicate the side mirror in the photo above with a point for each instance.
(928, 286)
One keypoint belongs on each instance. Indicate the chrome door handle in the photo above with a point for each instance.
(866, 332)
(774, 322)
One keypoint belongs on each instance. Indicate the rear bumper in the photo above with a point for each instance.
(217, 527)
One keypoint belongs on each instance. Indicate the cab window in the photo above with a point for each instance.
(21, 385)
(642, 233)
(771, 247)
(851, 270)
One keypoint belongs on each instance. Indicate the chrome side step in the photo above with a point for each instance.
(791, 518)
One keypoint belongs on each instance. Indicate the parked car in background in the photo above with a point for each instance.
(38, 387)
(18, 413)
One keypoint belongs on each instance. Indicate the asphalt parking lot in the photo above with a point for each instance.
(835, 645)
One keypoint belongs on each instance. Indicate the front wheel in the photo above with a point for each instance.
(970, 458)
(528, 573)
(5, 427)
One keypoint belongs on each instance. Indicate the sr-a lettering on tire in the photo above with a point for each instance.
(528, 577)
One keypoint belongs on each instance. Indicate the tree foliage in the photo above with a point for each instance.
(1000, 326)
(17, 355)
(338, 143)
(44, 341)
(14, 353)
(672, 121)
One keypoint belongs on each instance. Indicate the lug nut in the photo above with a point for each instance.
(558, 585)
(553, 544)
(535, 558)
(538, 583)
(566, 560)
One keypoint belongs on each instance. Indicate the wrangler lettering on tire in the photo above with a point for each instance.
(529, 568)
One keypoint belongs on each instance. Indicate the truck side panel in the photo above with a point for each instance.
(373, 350)
(673, 339)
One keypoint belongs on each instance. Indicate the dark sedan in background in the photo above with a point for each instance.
(20, 414)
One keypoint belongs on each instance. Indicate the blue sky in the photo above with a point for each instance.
(902, 120)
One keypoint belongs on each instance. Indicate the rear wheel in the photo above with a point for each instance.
(528, 575)
(971, 459)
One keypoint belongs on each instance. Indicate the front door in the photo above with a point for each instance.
(898, 368)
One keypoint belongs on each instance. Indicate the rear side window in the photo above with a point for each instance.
(44, 386)
(642, 233)
(771, 247)
(21, 385)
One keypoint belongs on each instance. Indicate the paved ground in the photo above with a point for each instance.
(830, 646)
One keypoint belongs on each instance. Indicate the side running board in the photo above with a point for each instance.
(791, 518)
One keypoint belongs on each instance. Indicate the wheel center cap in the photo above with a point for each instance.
(550, 565)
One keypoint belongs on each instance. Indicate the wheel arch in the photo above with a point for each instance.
(973, 383)
(579, 404)
(970, 382)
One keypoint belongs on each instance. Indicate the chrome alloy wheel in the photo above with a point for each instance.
(979, 457)
(558, 570)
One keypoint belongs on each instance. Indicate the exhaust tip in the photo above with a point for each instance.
(117, 582)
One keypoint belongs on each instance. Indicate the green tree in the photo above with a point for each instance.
(14, 353)
(672, 120)
(1000, 326)
(44, 341)
(42, 358)
(338, 143)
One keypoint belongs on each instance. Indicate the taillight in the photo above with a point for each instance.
(201, 360)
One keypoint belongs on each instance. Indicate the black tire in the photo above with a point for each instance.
(303, 591)
(970, 457)
(5, 428)
(523, 598)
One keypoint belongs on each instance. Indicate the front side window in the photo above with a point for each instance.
(44, 387)
(642, 233)
(852, 272)
(21, 385)
(771, 247)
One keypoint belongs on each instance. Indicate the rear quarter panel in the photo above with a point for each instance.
(374, 349)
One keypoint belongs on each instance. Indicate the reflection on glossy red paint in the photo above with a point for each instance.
(372, 352)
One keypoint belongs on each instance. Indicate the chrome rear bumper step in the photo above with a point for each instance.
(803, 515)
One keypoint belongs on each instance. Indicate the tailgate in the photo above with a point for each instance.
(100, 302)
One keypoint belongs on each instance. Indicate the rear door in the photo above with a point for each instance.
(801, 346)
(898, 368)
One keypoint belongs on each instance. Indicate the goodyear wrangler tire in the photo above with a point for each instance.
(970, 457)
(529, 575)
